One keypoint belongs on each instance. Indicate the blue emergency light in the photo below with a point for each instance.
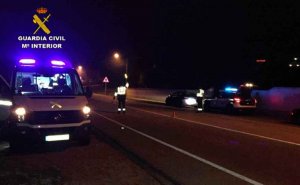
(231, 89)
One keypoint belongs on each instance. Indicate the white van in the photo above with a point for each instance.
(47, 103)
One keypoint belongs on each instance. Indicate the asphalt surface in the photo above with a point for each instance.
(204, 148)
(155, 144)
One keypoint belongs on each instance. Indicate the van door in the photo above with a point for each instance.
(5, 100)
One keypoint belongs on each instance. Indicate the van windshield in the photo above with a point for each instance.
(47, 83)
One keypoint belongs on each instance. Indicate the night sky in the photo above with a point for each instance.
(168, 44)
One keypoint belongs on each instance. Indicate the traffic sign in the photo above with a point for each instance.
(105, 80)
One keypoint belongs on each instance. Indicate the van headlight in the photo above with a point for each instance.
(86, 110)
(20, 112)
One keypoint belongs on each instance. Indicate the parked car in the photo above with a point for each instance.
(231, 100)
(182, 99)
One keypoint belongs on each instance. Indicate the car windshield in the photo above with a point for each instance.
(45, 83)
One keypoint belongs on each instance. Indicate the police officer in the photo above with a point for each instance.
(200, 95)
(120, 94)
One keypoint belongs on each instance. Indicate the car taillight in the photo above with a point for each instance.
(237, 100)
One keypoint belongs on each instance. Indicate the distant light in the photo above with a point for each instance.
(297, 65)
(125, 75)
(58, 63)
(127, 85)
(231, 89)
(116, 55)
(27, 61)
(79, 68)
(260, 60)
(249, 84)
(295, 58)
(291, 65)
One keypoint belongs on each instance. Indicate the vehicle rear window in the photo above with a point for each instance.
(244, 93)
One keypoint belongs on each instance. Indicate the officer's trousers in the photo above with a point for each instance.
(121, 103)
(200, 103)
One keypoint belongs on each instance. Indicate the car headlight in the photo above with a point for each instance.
(20, 112)
(86, 110)
(190, 101)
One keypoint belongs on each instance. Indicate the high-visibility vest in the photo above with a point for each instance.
(200, 93)
(121, 90)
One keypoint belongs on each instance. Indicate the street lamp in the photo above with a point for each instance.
(117, 56)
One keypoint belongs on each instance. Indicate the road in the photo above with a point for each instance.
(155, 144)
(205, 148)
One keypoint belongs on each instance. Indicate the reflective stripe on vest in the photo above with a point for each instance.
(121, 90)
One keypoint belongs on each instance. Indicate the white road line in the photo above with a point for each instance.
(222, 128)
(147, 100)
(244, 178)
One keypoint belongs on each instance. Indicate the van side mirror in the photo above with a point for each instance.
(88, 92)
